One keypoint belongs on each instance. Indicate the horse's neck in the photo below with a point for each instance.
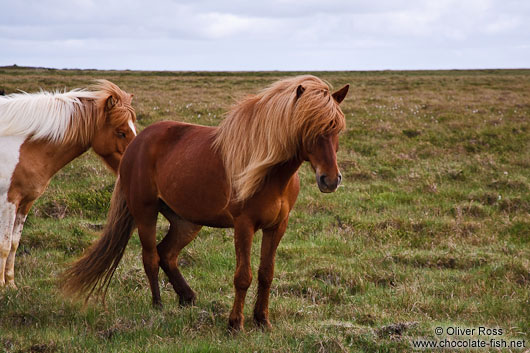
(282, 174)
(69, 153)
(51, 157)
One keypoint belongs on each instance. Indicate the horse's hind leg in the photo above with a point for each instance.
(146, 222)
(180, 234)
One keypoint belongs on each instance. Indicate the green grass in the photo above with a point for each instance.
(431, 227)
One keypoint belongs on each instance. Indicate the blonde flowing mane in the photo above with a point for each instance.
(271, 127)
(64, 117)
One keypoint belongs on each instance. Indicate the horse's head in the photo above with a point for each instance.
(321, 152)
(295, 119)
(116, 127)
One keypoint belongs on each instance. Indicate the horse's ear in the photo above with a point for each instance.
(299, 90)
(110, 103)
(341, 94)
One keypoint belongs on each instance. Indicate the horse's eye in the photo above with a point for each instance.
(120, 134)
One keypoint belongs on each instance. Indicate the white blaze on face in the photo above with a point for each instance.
(133, 129)
(9, 154)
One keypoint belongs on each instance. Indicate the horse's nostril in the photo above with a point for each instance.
(323, 180)
(340, 178)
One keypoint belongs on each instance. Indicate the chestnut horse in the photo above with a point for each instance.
(242, 174)
(42, 132)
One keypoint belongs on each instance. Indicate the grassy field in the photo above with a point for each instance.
(431, 228)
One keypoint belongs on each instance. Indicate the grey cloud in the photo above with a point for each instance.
(277, 34)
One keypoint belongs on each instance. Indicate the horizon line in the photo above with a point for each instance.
(263, 70)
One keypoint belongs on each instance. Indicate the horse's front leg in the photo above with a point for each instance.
(243, 234)
(15, 241)
(7, 221)
(269, 244)
(20, 218)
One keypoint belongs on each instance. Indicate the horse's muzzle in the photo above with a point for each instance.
(327, 184)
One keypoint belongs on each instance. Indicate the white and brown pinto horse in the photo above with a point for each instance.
(42, 132)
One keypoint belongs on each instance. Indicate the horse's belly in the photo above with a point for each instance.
(199, 206)
(204, 217)
(218, 221)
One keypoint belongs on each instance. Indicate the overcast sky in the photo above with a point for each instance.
(265, 35)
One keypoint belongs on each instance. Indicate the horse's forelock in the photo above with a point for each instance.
(317, 114)
(121, 110)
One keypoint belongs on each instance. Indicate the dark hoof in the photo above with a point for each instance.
(187, 300)
(235, 325)
(262, 322)
(157, 305)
